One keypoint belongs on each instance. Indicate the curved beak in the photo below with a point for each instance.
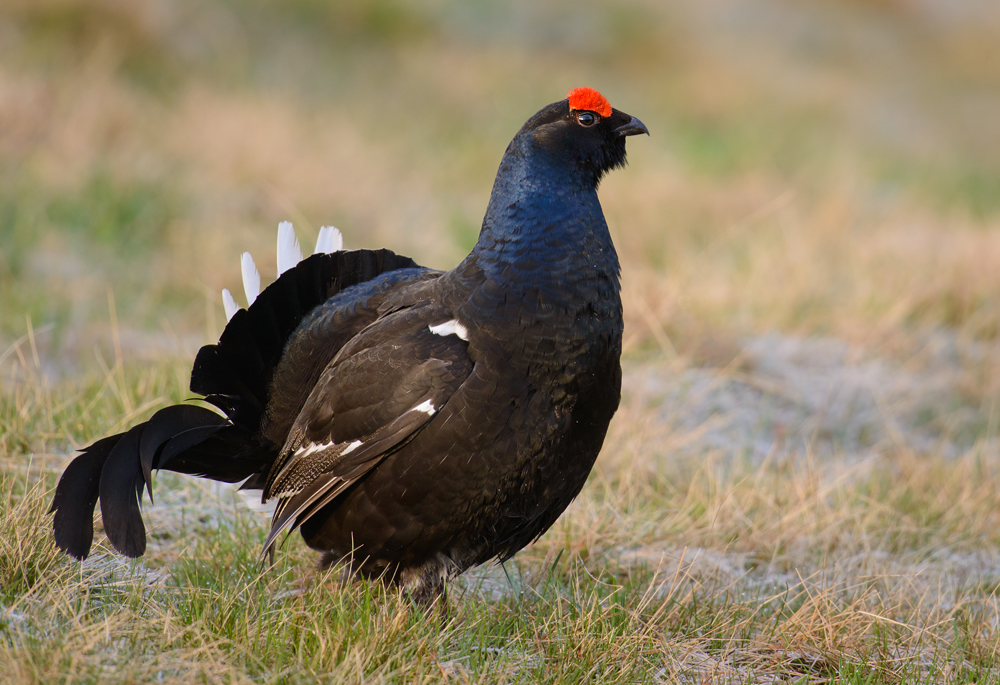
(633, 128)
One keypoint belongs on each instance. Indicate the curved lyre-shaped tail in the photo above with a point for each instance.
(234, 375)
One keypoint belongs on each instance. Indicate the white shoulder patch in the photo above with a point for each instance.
(452, 327)
(251, 278)
(329, 240)
(289, 252)
(426, 407)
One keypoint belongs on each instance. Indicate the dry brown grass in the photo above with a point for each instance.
(678, 562)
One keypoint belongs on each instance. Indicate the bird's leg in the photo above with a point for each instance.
(433, 600)
(429, 589)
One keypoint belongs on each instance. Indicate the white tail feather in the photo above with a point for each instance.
(329, 240)
(251, 498)
(289, 252)
(251, 278)
(229, 302)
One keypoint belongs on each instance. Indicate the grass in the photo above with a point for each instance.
(673, 565)
(666, 569)
(801, 483)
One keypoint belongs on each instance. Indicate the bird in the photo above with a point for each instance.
(411, 423)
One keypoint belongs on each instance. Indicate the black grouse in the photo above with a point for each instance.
(411, 423)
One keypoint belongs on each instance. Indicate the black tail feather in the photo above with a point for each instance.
(120, 489)
(234, 375)
(76, 497)
(181, 438)
(240, 366)
(225, 454)
(166, 426)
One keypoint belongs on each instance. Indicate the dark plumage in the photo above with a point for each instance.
(411, 423)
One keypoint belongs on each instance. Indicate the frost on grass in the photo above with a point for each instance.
(814, 496)
(786, 394)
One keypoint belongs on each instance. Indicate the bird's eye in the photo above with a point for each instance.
(587, 118)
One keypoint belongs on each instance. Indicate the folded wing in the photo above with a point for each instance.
(376, 395)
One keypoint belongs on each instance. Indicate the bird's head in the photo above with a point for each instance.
(584, 131)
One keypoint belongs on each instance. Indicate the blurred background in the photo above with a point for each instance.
(816, 170)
